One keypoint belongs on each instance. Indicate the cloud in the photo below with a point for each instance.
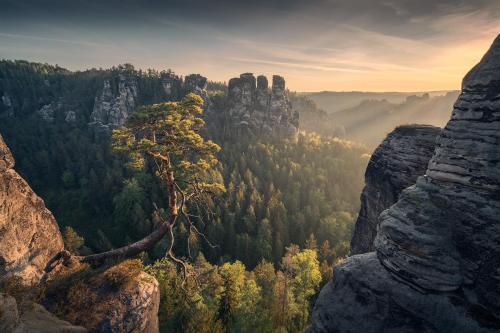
(319, 44)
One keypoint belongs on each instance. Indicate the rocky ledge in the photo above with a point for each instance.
(396, 164)
(436, 267)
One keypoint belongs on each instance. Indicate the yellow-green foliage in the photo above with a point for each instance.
(228, 298)
(72, 241)
(169, 134)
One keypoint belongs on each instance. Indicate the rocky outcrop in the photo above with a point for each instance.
(197, 84)
(7, 109)
(135, 309)
(32, 318)
(255, 108)
(172, 84)
(116, 299)
(437, 262)
(112, 108)
(29, 235)
(396, 164)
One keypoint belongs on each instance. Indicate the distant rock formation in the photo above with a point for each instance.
(197, 84)
(396, 164)
(111, 109)
(437, 262)
(262, 111)
(172, 84)
(29, 235)
(8, 109)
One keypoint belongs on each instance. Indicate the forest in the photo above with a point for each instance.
(269, 241)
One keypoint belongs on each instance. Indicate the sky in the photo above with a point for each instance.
(338, 45)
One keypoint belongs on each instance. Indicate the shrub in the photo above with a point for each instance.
(124, 273)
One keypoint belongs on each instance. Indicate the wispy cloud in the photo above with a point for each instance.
(49, 39)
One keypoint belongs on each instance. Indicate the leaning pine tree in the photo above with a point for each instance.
(167, 136)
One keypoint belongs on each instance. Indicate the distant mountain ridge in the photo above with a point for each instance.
(334, 101)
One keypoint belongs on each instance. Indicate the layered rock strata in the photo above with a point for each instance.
(262, 111)
(437, 262)
(396, 164)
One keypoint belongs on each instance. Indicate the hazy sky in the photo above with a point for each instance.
(373, 45)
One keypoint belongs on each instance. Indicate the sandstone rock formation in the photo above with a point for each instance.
(437, 262)
(33, 318)
(29, 235)
(172, 84)
(197, 84)
(256, 108)
(396, 164)
(116, 299)
(135, 309)
(110, 108)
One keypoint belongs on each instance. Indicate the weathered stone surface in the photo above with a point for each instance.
(32, 318)
(365, 297)
(29, 235)
(395, 165)
(255, 108)
(6, 159)
(111, 109)
(127, 302)
(437, 262)
(135, 309)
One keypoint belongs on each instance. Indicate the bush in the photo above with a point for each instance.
(124, 273)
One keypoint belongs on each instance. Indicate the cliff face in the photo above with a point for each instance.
(437, 262)
(111, 109)
(396, 164)
(256, 108)
(29, 235)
